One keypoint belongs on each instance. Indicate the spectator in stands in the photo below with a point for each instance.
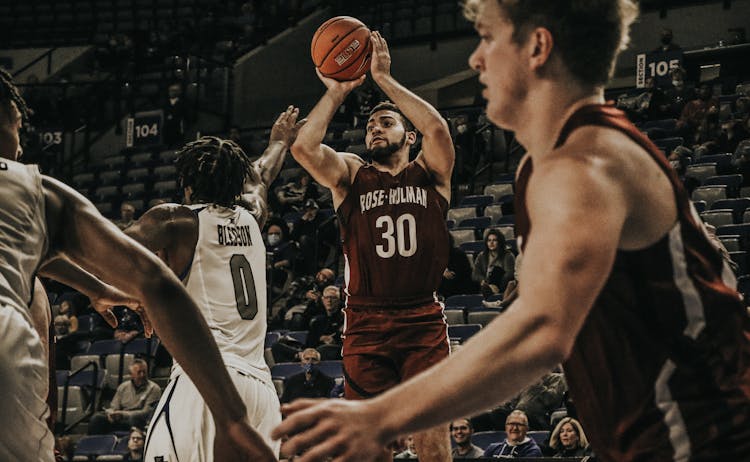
(410, 452)
(296, 310)
(732, 133)
(461, 432)
(666, 42)
(293, 195)
(135, 445)
(129, 325)
(457, 275)
(695, 111)
(311, 382)
(516, 444)
(327, 329)
(679, 92)
(495, 265)
(127, 215)
(132, 404)
(511, 290)
(175, 115)
(317, 237)
(66, 335)
(283, 255)
(569, 440)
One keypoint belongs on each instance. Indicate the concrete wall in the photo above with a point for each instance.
(61, 57)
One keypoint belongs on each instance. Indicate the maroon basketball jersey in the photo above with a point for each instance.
(395, 237)
(661, 368)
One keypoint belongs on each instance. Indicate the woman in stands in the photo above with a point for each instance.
(494, 266)
(569, 440)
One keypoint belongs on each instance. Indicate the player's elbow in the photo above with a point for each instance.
(303, 148)
(554, 340)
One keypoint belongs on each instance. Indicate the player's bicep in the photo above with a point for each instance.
(323, 163)
(439, 154)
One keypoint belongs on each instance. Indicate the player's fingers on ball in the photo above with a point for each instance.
(109, 317)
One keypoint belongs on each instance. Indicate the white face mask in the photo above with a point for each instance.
(677, 83)
(675, 164)
(274, 239)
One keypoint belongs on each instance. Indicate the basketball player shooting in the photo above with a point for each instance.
(216, 248)
(619, 281)
(392, 214)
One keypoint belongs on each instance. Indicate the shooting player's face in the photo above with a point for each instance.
(386, 134)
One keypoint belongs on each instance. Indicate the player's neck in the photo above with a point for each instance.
(394, 163)
(548, 109)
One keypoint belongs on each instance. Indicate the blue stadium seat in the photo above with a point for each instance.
(95, 445)
(737, 205)
(477, 201)
(143, 346)
(506, 220)
(105, 347)
(474, 246)
(61, 376)
(284, 370)
(700, 206)
(87, 379)
(732, 182)
(723, 162)
(540, 437)
(332, 368)
(299, 335)
(462, 332)
(741, 230)
(668, 144)
(271, 338)
(121, 448)
(477, 223)
(484, 439)
(464, 300)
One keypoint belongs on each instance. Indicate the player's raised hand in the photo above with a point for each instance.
(237, 441)
(287, 126)
(343, 87)
(381, 57)
(343, 430)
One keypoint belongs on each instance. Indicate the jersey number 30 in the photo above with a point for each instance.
(244, 286)
(401, 236)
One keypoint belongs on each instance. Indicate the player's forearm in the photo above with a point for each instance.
(422, 114)
(498, 359)
(179, 323)
(65, 271)
(311, 134)
(271, 161)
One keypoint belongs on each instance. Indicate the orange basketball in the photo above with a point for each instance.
(341, 48)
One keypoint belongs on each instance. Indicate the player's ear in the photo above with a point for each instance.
(540, 46)
(411, 137)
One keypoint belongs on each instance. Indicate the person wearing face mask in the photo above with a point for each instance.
(282, 254)
(311, 382)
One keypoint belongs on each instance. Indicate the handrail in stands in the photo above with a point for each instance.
(91, 407)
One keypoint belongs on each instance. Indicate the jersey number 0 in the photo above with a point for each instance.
(244, 286)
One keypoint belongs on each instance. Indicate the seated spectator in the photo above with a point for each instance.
(511, 290)
(132, 405)
(317, 236)
(495, 265)
(283, 254)
(129, 325)
(666, 42)
(310, 383)
(293, 195)
(695, 111)
(679, 93)
(457, 276)
(516, 444)
(461, 432)
(301, 303)
(135, 445)
(569, 440)
(327, 329)
(66, 335)
(127, 216)
(411, 450)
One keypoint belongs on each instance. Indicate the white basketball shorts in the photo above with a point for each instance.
(182, 429)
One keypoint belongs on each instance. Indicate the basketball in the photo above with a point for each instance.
(341, 48)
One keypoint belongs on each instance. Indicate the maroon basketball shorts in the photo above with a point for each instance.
(385, 346)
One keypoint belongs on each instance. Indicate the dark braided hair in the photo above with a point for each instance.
(214, 168)
(9, 92)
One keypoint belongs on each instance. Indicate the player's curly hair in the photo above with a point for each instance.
(9, 93)
(214, 168)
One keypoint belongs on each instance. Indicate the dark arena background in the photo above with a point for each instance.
(115, 87)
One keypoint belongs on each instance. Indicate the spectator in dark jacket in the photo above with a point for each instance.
(310, 383)
(516, 444)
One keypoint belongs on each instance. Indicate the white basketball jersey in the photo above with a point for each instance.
(23, 232)
(227, 279)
